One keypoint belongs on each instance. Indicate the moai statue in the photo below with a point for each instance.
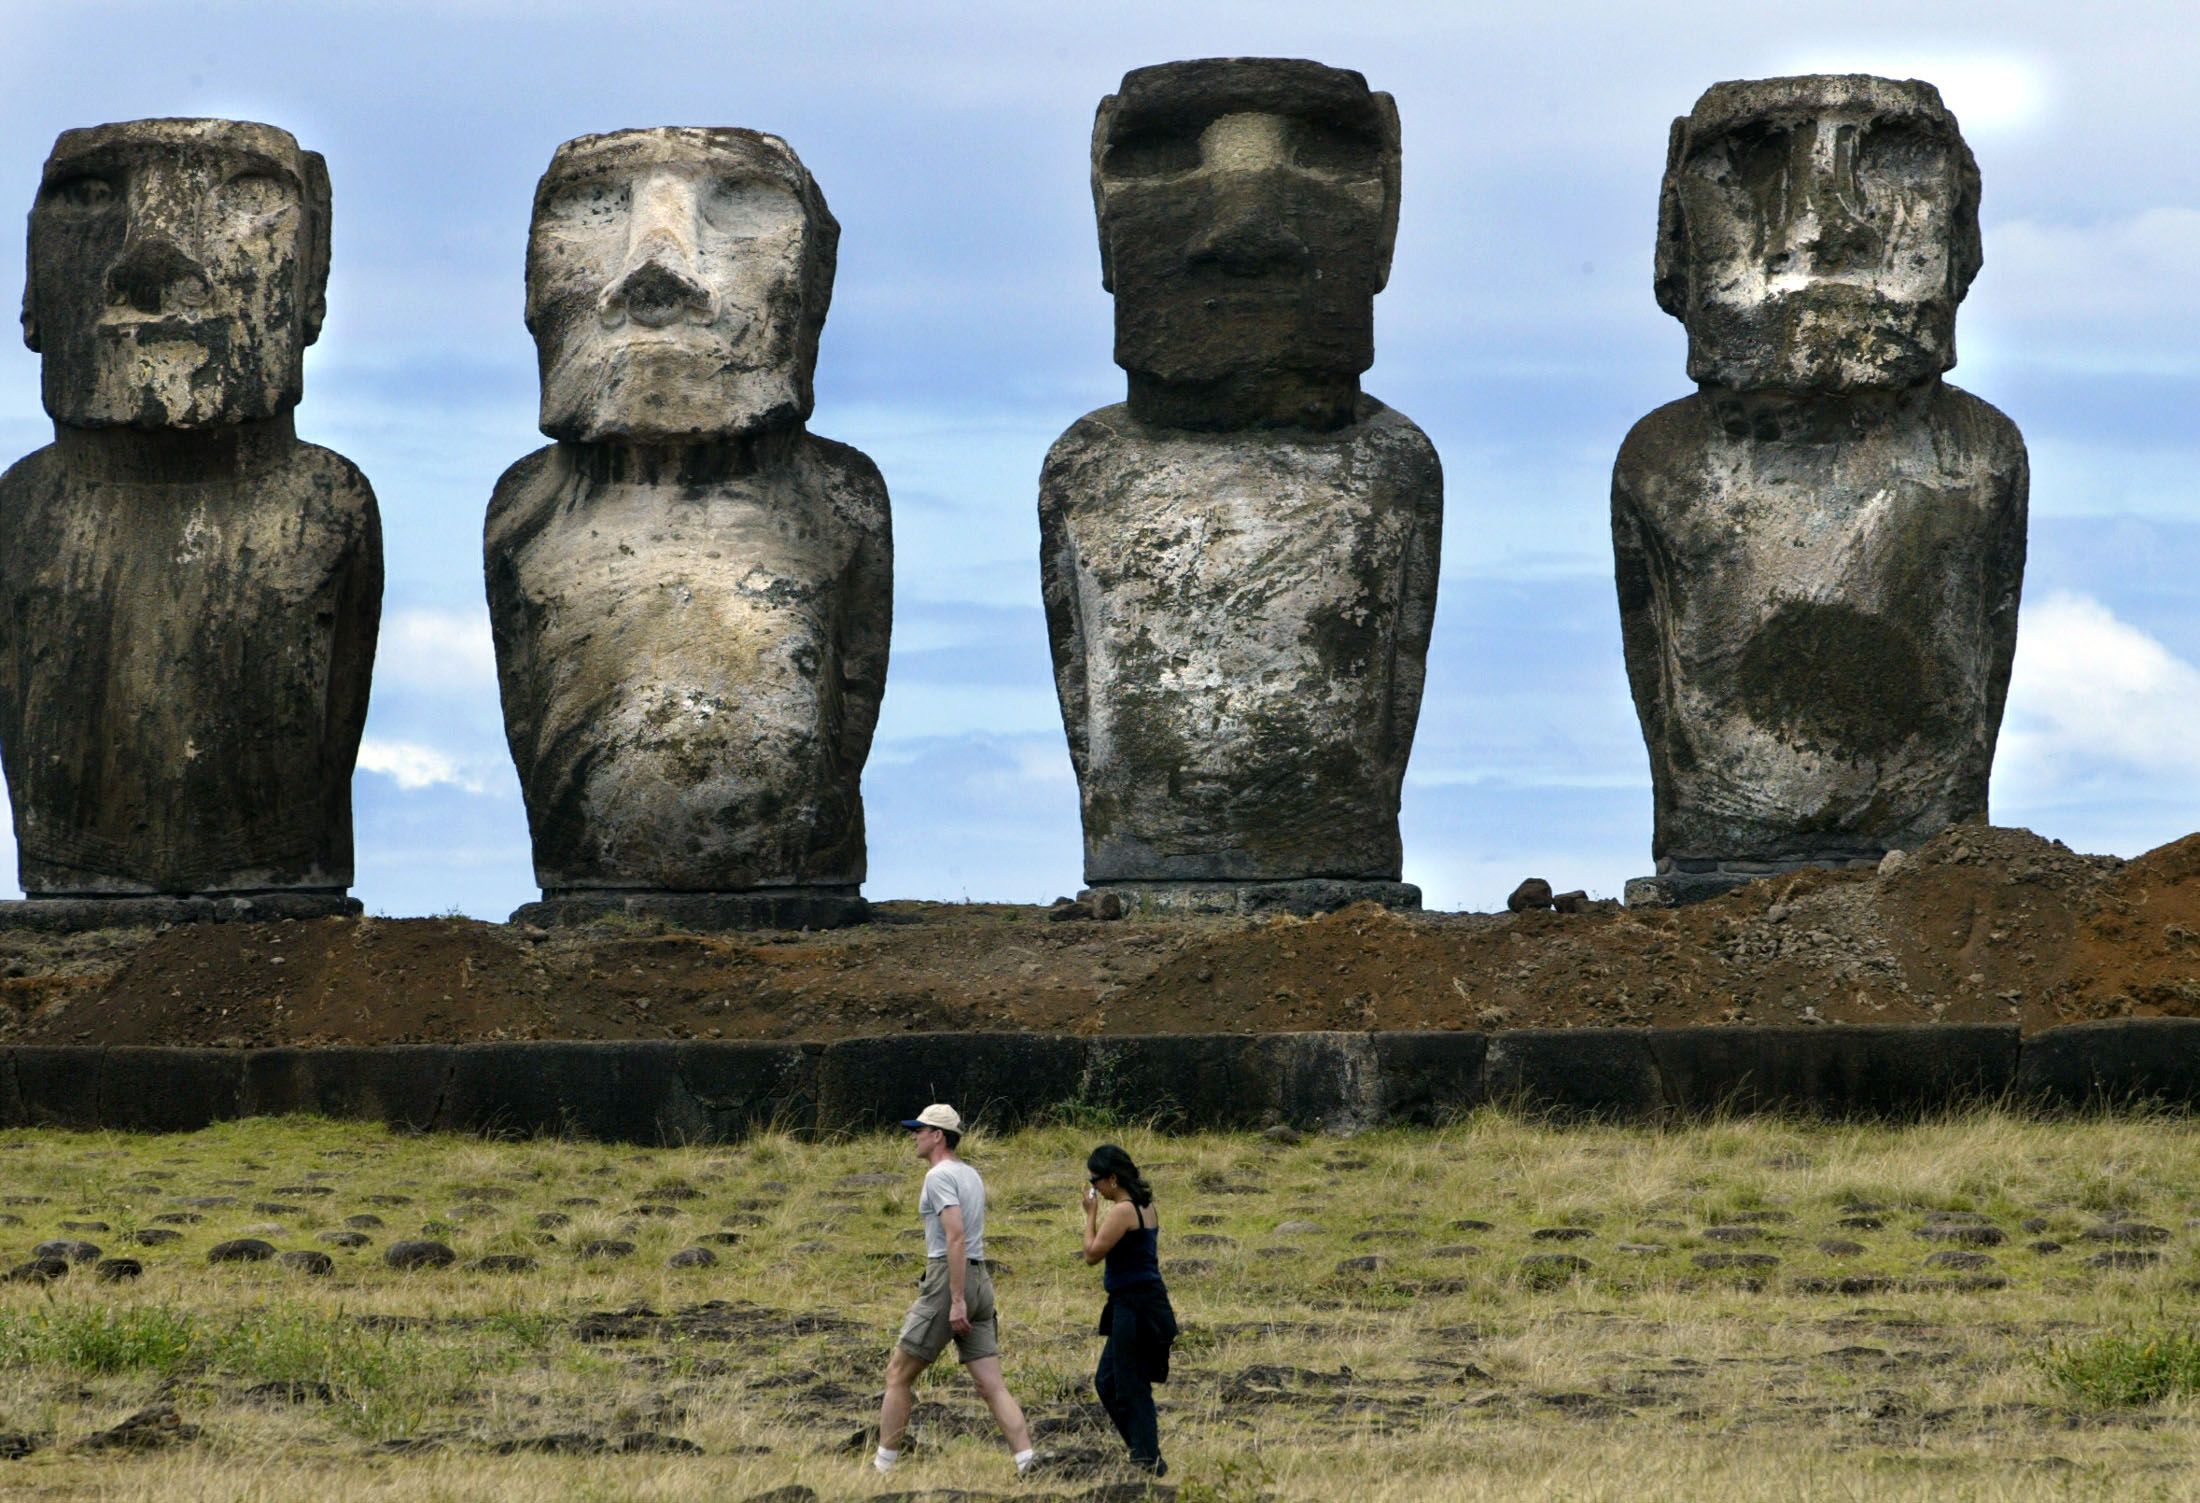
(1819, 553)
(691, 595)
(191, 595)
(1240, 561)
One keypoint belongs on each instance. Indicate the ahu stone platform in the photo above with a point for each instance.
(678, 1092)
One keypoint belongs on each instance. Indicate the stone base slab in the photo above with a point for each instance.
(1304, 897)
(762, 908)
(1677, 886)
(75, 915)
(687, 1091)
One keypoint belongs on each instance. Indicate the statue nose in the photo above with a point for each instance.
(1249, 233)
(153, 275)
(655, 294)
(1829, 225)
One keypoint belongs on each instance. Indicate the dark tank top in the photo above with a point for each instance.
(1135, 1259)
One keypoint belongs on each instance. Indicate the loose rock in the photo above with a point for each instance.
(241, 1250)
(418, 1254)
(1531, 893)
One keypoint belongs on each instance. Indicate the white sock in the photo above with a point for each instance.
(1024, 1459)
(885, 1459)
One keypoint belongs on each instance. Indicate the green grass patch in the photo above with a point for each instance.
(101, 1339)
(2128, 1368)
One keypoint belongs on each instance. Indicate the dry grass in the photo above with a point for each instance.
(1437, 1374)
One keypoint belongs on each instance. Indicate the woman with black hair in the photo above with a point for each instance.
(1137, 1319)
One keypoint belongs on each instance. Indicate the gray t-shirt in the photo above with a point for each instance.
(951, 1182)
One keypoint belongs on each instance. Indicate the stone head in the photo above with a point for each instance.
(1247, 208)
(178, 269)
(677, 282)
(1817, 233)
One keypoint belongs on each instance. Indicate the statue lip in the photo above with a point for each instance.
(136, 325)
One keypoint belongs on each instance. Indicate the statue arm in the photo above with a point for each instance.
(1635, 574)
(2007, 565)
(358, 628)
(1417, 596)
(870, 624)
(1058, 589)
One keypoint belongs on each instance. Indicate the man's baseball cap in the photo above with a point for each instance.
(939, 1114)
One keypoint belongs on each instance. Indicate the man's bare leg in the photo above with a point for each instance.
(1007, 1413)
(901, 1397)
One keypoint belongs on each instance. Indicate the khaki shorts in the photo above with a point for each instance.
(925, 1331)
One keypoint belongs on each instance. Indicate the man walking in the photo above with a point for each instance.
(954, 1298)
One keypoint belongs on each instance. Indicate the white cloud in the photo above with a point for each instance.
(2093, 697)
(437, 651)
(2115, 296)
(412, 766)
(1989, 95)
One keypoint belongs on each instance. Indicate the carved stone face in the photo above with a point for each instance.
(677, 280)
(177, 273)
(1247, 211)
(1817, 233)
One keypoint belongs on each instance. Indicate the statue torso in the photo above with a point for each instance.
(185, 674)
(671, 659)
(1248, 612)
(1819, 630)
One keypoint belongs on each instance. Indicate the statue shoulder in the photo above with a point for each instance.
(330, 474)
(1396, 435)
(851, 475)
(1098, 433)
(1978, 424)
(32, 471)
(1670, 440)
(522, 487)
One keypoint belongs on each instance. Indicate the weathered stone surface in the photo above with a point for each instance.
(195, 593)
(769, 908)
(58, 915)
(1574, 1073)
(1899, 1072)
(1820, 553)
(1239, 563)
(690, 594)
(1303, 898)
(2117, 1064)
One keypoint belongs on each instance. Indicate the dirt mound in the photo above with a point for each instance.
(1982, 924)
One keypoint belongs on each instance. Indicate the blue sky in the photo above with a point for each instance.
(968, 329)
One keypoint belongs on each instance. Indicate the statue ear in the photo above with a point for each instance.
(315, 249)
(1670, 280)
(1386, 116)
(1103, 125)
(1970, 251)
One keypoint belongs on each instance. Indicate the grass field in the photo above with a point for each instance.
(1386, 1317)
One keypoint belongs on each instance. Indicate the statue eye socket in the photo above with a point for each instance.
(588, 201)
(1155, 154)
(1331, 148)
(1905, 149)
(746, 209)
(87, 190)
(255, 193)
(1759, 158)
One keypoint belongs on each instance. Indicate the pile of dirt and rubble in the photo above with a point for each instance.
(1982, 924)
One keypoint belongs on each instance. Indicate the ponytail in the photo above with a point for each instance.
(1110, 1160)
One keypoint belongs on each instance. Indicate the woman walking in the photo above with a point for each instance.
(1137, 1319)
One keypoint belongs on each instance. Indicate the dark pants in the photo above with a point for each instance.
(1124, 1390)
